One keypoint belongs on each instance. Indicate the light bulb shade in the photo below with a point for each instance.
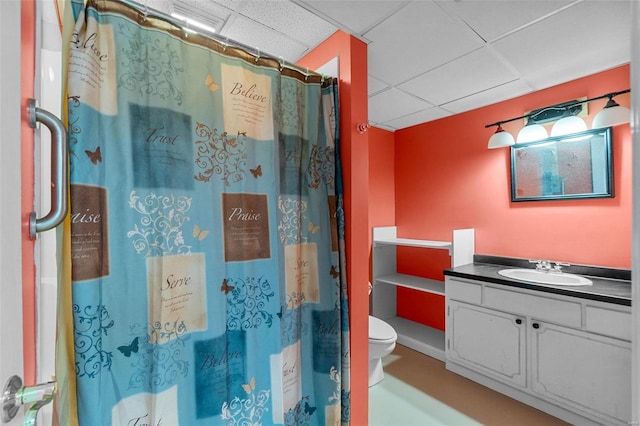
(567, 126)
(611, 116)
(501, 139)
(532, 132)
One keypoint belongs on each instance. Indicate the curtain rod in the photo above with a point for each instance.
(148, 11)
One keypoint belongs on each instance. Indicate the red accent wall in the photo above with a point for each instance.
(352, 59)
(382, 191)
(446, 178)
(421, 307)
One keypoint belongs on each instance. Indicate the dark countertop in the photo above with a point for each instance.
(609, 285)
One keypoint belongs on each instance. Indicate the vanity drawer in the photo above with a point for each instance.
(608, 322)
(540, 308)
(463, 291)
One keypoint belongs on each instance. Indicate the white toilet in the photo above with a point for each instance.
(382, 340)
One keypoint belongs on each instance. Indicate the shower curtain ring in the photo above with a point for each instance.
(281, 63)
(258, 54)
(145, 13)
(186, 28)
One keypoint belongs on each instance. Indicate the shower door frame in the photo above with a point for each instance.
(17, 267)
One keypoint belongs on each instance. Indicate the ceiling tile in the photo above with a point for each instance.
(355, 16)
(501, 93)
(494, 18)
(417, 38)
(375, 85)
(235, 5)
(417, 118)
(290, 19)
(384, 126)
(392, 104)
(164, 6)
(203, 12)
(331, 68)
(434, 86)
(545, 56)
(260, 37)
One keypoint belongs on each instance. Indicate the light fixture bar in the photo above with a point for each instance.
(564, 106)
(554, 112)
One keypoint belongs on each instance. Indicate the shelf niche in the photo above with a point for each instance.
(427, 340)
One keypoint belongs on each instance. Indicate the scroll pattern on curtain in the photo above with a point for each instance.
(207, 232)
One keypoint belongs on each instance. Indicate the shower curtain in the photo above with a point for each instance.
(205, 246)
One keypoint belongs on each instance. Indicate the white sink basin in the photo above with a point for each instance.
(542, 277)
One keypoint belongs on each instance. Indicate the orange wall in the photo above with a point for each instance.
(381, 178)
(447, 179)
(352, 61)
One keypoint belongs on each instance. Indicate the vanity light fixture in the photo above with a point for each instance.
(611, 115)
(532, 132)
(566, 120)
(568, 125)
(501, 139)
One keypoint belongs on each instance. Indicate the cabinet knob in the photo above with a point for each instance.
(518, 321)
(536, 325)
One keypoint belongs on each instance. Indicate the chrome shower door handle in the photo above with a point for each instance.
(59, 177)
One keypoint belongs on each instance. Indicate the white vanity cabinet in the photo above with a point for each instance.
(386, 280)
(487, 341)
(568, 356)
(582, 370)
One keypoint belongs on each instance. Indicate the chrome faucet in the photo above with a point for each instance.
(546, 266)
(542, 265)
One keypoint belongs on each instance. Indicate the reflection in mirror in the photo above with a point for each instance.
(567, 167)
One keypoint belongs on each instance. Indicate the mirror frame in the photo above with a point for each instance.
(608, 147)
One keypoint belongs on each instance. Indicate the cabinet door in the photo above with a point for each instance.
(489, 342)
(582, 370)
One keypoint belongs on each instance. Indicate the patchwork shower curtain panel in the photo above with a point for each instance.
(206, 232)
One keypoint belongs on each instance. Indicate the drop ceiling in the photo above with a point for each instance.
(429, 59)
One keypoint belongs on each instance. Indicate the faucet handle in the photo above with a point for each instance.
(540, 264)
(558, 266)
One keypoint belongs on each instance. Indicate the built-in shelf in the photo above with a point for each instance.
(414, 243)
(386, 279)
(410, 281)
(427, 340)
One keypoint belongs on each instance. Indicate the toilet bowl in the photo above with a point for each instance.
(382, 341)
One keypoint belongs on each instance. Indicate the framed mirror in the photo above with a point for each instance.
(574, 166)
